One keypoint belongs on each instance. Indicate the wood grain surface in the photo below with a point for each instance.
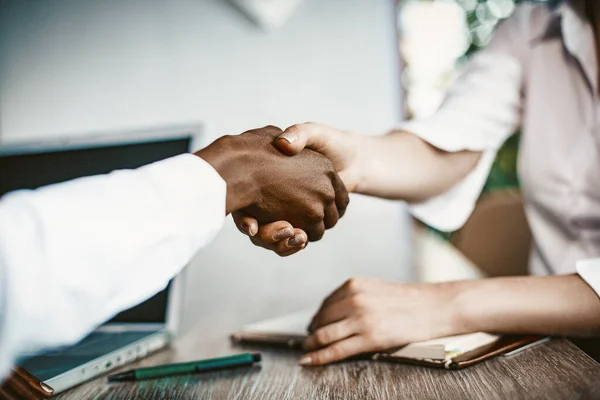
(554, 370)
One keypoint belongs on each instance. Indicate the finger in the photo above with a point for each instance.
(291, 251)
(316, 232)
(272, 130)
(336, 352)
(296, 242)
(334, 298)
(293, 240)
(293, 245)
(329, 334)
(295, 138)
(342, 199)
(245, 223)
(275, 232)
(259, 243)
(331, 216)
(300, 239)
(269, 242)
(330, 314)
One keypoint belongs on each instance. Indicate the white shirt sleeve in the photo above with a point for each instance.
(480, 112)
(72, 255)
(589, 271)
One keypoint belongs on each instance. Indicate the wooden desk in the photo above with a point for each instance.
(555, 370)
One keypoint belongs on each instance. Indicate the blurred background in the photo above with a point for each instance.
(78, 67)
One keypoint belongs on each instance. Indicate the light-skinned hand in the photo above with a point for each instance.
(369, 315)
(341, 147)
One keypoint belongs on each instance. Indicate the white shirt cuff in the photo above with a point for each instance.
(450, 210)
(76, 253)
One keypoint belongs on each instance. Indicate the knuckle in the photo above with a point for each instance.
(265, 235)
(272, 128)
(303, 126)
(375, 334)
(321, 337)
(331, 222)
(367, 323)
(334, 353)
(329, 196)
(225, 140)
(370, 336)
(269, 130)
(317, 235)
(320, 357)
(295, 128)
(315, 214)
(357, 301)
(354, 285)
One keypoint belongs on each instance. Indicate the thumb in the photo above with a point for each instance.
(245, 223)
(297, 137)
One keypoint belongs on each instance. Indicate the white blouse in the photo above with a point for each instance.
(538, 73)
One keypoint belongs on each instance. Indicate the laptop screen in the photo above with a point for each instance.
(30, 167)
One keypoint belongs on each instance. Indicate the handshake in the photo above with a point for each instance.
(280, 193)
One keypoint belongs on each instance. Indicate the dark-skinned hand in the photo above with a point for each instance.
(269, 186)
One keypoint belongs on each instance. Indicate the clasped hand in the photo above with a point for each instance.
(265, 185)
(284, 236)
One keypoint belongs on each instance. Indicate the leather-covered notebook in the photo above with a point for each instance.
(20, 384)
(452, 352)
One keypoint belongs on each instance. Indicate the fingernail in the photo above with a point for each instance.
(306, 360)
(297, 240)
(283, 234)
(253, 230)
(249, 229)
(289, 137)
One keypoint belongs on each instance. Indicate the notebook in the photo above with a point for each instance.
(451, 352)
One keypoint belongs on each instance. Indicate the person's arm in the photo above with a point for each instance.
(398, 166)
(552, 305)
(74, 254)
(366, 315)
(440, 163)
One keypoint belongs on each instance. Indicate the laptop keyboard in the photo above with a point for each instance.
(60, 360)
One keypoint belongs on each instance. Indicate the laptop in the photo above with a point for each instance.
(136, 332)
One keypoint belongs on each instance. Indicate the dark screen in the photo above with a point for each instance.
(31, 170)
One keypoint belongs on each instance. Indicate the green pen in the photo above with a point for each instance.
(213, 364)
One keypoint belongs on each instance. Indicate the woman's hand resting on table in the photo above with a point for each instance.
(368, 315)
